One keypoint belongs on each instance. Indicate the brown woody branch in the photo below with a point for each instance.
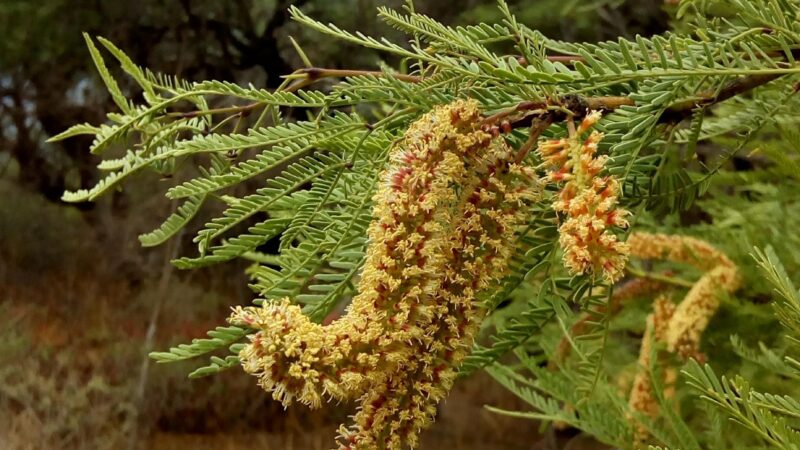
(524, 113)
(537, 128)
(310, 75)
(682, 110)
(521, 114)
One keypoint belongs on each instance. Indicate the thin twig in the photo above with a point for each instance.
(498, 117)
(578, 105)
(608, 103)
(241, 110)
(537, 128)
(315, 73)
(565, 105)
(310, 75)
(563, 59)
(172, 251)
(675, 281)
(683, 110)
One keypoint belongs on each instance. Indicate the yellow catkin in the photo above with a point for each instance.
(443, 225)
(589, 203)
(295, 358)
(393, 413)
(694, 312)
(680, 327)
(642, 400)
(676, 248)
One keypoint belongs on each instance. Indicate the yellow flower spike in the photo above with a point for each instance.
(407, 235)
(405, 404)
(589, 203)
(443, 228)
(680, 249)
(696, 310)
(642, 400)
(663, 311)
(693, 314)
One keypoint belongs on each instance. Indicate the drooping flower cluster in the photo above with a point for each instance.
(642, 399)
(443, 225)
(589, 202)
(692, 315)
(679, 327)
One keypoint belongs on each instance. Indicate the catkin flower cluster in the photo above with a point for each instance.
(679, 327)
(693, 313)
(642, 399)
(444, 220)
(588, 201)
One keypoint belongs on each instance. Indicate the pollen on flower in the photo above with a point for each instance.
(444, 221)
(588, 202)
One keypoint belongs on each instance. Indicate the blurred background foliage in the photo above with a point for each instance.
(47, 82)
(81, 303)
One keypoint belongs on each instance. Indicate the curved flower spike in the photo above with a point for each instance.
(693, 314)
(679, 326)
(675, 248)
(642, 400)
(443, 224)
(393, 413)
(296, 358)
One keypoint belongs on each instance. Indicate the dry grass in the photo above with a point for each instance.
(68, 376)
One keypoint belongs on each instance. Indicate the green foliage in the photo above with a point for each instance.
(769, 416)
(290, 174)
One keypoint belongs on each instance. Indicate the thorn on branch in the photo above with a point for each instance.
(537, 128)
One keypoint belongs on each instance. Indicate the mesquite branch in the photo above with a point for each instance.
(310, 75)
(522, 114)
(526, 113)
(577, 105)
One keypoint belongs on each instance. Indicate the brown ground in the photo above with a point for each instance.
(85, 361)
